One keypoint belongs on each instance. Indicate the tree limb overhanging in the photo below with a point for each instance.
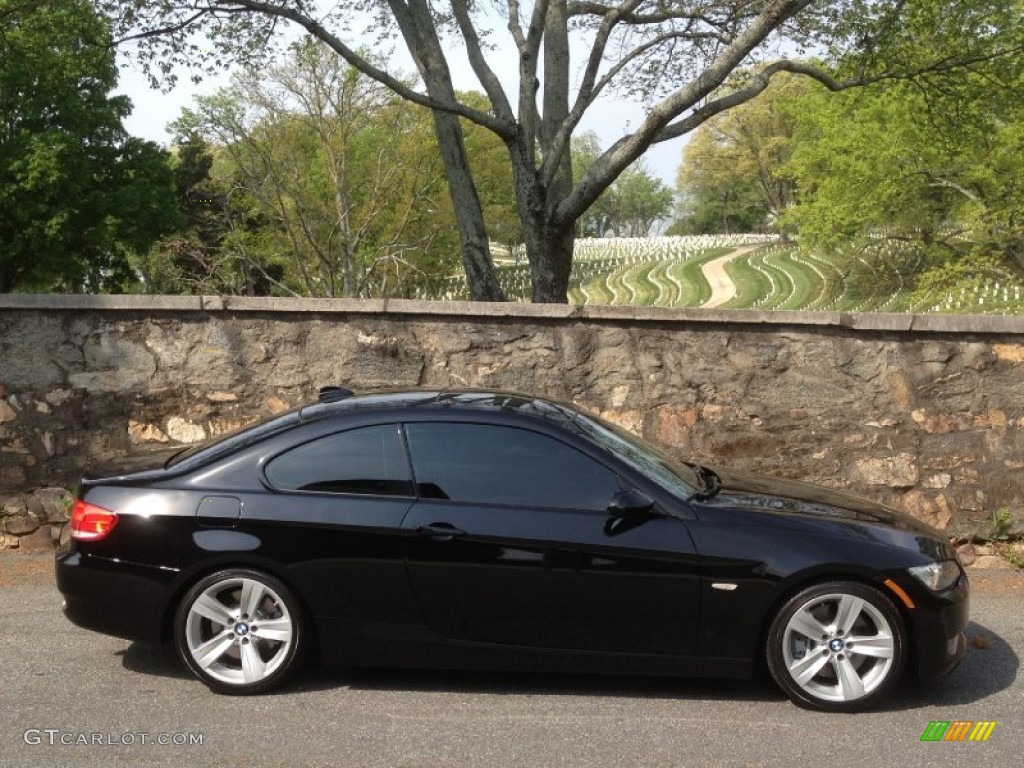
(317, 30)
(488, 79)
(629, 148)
(683, 56)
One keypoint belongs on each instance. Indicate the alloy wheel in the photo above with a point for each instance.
(837, 647)
(239, 631)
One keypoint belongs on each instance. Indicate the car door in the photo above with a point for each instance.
(334, 518)
(510, 542)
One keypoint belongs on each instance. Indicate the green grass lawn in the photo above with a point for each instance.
(694, 287)
(651, 283)
(667, 272)
(754, 286)
(807, 284)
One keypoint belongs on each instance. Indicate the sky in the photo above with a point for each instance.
(610, 118)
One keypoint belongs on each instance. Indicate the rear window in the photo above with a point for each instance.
(233, 441)
(368, 460)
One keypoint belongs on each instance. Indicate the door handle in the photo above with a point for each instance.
(439, 531)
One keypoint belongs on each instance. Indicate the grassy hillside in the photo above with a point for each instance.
(667, 272)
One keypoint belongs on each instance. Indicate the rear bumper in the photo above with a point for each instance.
(114, 598)
(939, 625)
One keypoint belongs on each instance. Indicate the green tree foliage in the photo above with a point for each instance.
(488, 158)
(731, 178)
(630, 207)
(192, 261)
(710, 210)
(585, 150)
(326, 183)
(635, 202)
(921, 181)
(77, 194)
(684, 61)
(713, 197)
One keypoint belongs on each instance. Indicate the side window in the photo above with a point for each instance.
(505, 465)
(368, 460)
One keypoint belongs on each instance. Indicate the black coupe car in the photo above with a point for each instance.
(493, 530)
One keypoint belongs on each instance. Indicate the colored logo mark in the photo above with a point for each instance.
(958, 730)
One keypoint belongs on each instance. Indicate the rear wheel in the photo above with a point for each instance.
(240, 631)
(837, 647)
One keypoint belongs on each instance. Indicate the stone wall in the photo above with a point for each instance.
(922, 412)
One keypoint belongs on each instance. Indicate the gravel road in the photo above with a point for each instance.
(60, 683)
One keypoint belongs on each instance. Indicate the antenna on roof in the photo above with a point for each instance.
(333, 394)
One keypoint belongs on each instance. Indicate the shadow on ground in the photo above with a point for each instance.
(990, 666)
(156, 660)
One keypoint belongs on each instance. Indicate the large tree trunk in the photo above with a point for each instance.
(551, 263)
(417, 25)
(549, 245)
(469, 215)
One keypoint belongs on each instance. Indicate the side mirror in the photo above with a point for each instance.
(628, 502)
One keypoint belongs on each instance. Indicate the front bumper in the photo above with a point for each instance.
(938, 625)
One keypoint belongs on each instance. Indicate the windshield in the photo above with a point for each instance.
(672, 474)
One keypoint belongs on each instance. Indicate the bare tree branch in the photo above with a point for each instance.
(760, 81)
(629, 148)
(950, 184)
(489, 81)
(586, 93)
(529, 58)
(584, 101)
(515, 26)
(681, 13)
(170, 29)
(315, 28)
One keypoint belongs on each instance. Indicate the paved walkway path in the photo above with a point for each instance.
(723, 289)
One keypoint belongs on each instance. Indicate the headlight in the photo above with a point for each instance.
(936, 576)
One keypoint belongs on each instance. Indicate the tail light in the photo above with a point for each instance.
(91, 523)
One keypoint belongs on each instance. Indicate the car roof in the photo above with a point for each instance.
(463, 400)
(337, 403)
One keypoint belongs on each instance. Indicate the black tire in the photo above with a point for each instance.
(240, 631)
(827, 672)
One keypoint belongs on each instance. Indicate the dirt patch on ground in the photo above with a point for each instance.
(17, 569)
(997, 581)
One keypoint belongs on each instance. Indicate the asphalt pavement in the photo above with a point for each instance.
(69, 697)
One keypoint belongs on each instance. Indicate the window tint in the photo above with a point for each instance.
(671, 474)
(370, 460)
(505, 465)
(235, 440)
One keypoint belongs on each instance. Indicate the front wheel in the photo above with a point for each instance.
(239, 631)
(837, 647)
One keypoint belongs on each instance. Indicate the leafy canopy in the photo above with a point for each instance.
(684, 61)
(77, 193)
